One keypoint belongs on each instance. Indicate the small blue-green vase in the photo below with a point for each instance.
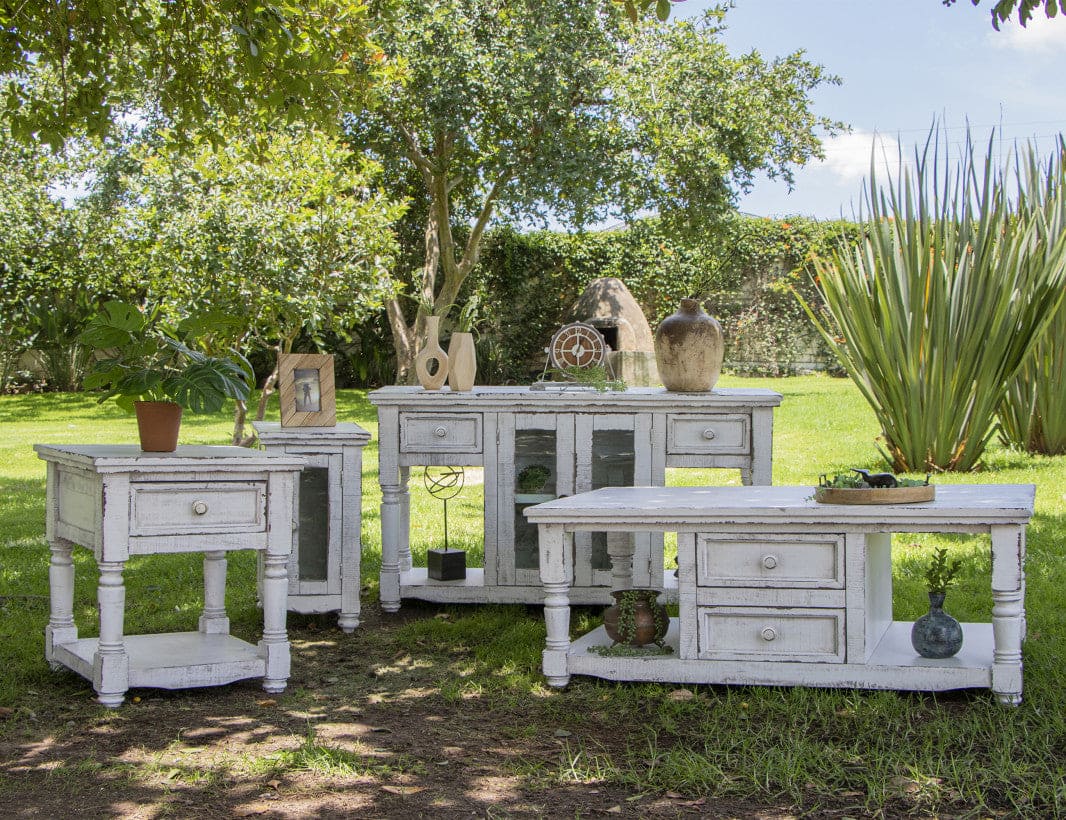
(936, 634)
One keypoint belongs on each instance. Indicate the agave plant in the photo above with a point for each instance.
(1032, 416)
(941, 303)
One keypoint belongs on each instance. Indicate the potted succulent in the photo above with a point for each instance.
(148, 367)
(936, 634)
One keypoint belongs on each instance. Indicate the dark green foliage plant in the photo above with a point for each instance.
(142, 358)
(940, 573)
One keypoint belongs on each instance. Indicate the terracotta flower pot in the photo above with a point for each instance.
(158, 423)
(636, 618)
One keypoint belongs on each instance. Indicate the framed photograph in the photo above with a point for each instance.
(305, 385)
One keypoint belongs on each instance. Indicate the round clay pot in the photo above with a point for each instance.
(158, 423)
(689, 349)
(636, 618)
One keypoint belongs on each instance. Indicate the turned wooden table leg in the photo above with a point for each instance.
(275, 643)
(213, 621)
(1008, 612)
(556, 572)
(111, 665)
(61, 628)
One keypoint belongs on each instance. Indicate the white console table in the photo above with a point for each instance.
(119, 501)
(777, 589)
(584, 439)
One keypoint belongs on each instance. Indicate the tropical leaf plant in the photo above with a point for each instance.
(1032, 416)
(941, 303)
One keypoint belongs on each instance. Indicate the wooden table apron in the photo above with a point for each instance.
(1002, 511)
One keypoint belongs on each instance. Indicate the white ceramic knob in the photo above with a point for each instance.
(769, 561)
(440, 432)
(769, 633)
(199, 507)
(709, 434)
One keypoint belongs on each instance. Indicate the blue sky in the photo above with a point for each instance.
(902, 63)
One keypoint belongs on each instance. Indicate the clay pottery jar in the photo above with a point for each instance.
(432, 352)
(936, 634)
(636, 618)
(689, 349)
(462, 362)
(158, 423)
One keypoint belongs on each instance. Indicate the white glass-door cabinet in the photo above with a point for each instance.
(577, 441)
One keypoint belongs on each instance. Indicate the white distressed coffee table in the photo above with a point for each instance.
(777, 589)
(119, 501)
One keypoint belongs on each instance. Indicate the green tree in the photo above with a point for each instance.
(1003, 9)
(525, 110)
(292, 245)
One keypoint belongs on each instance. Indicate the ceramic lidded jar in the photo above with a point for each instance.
(689, 349)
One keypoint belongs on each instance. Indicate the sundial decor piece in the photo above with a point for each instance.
(577, 345)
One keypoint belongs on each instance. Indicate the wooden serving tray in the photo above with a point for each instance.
(875, 495)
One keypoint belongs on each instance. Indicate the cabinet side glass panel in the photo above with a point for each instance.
(613, 464)
(535, 483)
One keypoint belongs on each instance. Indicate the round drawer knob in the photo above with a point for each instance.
(199, 507)
(769, 633)
(440, 432)
(769, 561)
(709, 434)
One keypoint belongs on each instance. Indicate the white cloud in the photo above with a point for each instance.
(1039, 35)
(847, 156)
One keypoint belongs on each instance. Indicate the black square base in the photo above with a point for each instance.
(446, 565)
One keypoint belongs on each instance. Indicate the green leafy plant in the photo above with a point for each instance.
(143, 358)
(941, 304)
(940, 573)
(532, 478)
(595, 376)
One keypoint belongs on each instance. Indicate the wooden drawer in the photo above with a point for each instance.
(440, 433)
(803, 560)
(176, 508)
(770, 634)
(725, 434)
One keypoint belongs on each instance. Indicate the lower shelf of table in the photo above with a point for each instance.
(172, 660)
(416, 583)
(893, 665)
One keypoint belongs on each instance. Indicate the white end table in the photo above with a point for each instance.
(119, 501)
(324, 571)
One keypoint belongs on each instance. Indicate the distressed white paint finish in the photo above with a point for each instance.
(417, 427)
(112, 500)
(337, 449)
(800, 629)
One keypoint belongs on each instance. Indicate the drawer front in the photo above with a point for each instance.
(800, 561)
(771, 634)
(725, 434)
(440, 433)
(189, 508)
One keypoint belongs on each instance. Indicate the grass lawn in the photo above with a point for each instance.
(370, 722)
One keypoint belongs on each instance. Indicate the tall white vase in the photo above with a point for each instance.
(462, 362)
(432, 351)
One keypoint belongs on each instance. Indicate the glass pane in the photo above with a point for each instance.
(314, 524)
(534, 483)
(613, 463)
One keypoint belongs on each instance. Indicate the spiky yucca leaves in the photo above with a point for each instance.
(940, 304)
(1033, 414)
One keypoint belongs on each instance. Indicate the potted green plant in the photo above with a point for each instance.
(531, 479)
(936, 634)
(148, 367)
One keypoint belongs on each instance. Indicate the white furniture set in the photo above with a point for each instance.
(773, 588)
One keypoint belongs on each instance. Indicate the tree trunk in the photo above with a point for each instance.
(240, 413)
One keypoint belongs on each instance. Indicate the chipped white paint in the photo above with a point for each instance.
(777, 589)
(338, 450)
(111, 499)
(727, 428)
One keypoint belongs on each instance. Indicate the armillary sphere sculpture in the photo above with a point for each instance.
(444, 483)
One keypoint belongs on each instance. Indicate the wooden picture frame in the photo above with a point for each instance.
(306, 388)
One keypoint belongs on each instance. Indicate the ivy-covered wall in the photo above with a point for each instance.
(745, 273)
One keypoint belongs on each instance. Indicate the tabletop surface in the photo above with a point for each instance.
(966, 503)
(522, 394)
(185, 457)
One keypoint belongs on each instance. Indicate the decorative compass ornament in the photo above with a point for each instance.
(577, 345)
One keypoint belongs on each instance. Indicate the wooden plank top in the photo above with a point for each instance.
(688, 508)
(525, 398)
(129, 457)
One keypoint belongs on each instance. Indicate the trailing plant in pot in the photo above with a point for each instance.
(936, 634)
(148, 367)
